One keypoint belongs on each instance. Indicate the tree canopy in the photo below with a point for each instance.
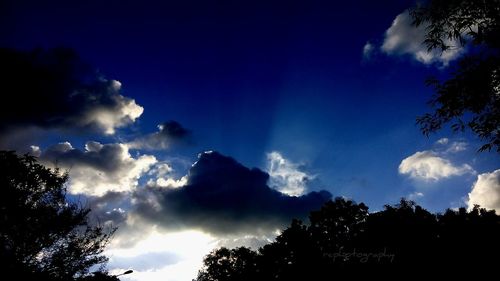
(343, 240)
(44, 236)
(470, 96)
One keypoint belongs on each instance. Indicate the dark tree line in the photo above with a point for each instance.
(469, 98)
(43, 236)
(343, 239)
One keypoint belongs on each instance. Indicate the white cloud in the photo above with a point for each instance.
(99, 168)
(286, 176)
(120, 113)
(453, 147)
(486, 191)
(368, 50)
(404, 39)
(415, 195)
(457, 147)
(164, 169)
(443, 141)
(35, 150)
(429, 166)
(162, 176)
(168, 182)
(160, 169)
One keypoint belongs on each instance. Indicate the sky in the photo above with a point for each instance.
(192, 125)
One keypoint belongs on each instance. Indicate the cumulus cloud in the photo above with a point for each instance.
(429, 166)
(169, 133)
(221, 196)
(286, 176)
(99, 168)
(161, 170)
(54, 89)
(167, 182)
(404, 39)
(486, 191)
(108, 109)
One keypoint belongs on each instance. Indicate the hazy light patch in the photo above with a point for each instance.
(189, 248)
(181, 271)
(457, 146)
(446, 146)
(443, 141)
(415, 196)
(368, 50)
(187, 243)
(35, 150)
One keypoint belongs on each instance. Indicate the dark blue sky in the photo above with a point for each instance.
(248, 79)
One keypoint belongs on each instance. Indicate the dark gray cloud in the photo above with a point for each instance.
(111, 197)
(104, 157)
(108, 209)
(99, 168)
(169, 133)
(223, 197)
(54, 89)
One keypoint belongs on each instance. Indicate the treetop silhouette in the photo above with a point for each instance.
(343, 240)
(43, 235)
(470, 96)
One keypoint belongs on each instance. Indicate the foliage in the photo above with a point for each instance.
(225, 264)
(344, 240)
(43, 235)
(470, 98)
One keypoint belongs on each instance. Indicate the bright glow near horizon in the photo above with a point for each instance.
(189, 246)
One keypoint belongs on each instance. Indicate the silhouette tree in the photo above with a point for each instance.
(289, 256)
(404, 230)
(99, 276)
(42, 235)
(470, 97)
(225, 264)
(343, 240)
(471, 234)
(337, 224)
(300, 252)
